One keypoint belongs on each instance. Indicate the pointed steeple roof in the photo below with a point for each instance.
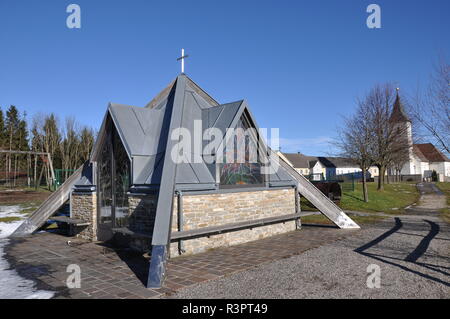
(398, 112)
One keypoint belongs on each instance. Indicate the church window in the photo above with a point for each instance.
(241, 164)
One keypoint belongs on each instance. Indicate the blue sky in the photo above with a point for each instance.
(299, 64)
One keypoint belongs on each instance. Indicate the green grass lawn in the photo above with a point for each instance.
(392, 200)
(445, 187)
(396, 195)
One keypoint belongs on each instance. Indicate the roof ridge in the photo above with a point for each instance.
(162, 94)
(199, 90)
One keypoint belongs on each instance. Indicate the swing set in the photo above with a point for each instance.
(13, 176)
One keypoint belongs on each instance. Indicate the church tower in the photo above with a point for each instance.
(400, 119)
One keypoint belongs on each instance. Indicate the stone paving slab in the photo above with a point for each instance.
(118, 273)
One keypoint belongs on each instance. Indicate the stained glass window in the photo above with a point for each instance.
(241, 163)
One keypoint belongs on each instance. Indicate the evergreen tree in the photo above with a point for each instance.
(23, 134)
(2, 129)
(12, 128)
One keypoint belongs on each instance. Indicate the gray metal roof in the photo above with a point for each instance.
(87, 178)
(144, 132)
(301, 161)
(191, 85)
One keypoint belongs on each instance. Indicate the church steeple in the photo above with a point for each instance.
(398, 113)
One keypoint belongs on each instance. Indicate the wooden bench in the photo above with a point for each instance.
(70, 221)
(129, 232)
(214, 230)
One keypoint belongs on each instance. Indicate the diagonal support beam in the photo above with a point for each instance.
(319, 200)
(164, 208)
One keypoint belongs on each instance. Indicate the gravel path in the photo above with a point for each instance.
(412, 251)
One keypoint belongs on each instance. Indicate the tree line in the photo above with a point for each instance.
(68, 143)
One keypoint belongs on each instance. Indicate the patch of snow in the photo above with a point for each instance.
(10, 211)
(12, 286)
(7, 229)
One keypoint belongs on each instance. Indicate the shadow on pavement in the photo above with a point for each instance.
(412, 257)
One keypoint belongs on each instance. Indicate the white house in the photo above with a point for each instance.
(305, 165)
(340, 167)
(330, 168)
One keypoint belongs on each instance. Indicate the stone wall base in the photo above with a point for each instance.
(199, 211)
(84, 207)
(225, 208)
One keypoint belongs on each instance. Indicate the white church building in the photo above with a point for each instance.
(423, 158)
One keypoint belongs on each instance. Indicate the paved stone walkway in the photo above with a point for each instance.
(109, 273)
(412, 252)
(115, 273)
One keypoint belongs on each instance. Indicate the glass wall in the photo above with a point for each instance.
(104, 169)
(113, 169)
(121, 181)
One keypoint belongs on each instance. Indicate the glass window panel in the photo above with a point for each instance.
(104, 178)
(121, 182)
(114, 180)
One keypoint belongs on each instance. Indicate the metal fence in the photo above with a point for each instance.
(61, 175)
(400, 178)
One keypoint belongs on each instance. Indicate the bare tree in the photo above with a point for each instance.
(86, 143)
(356, 141)
(431, 109)
(390, 138)
(69, 146)
(51, 138)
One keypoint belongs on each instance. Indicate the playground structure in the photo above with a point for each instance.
(13, 176)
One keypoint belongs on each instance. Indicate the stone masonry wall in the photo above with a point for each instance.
(225, 208)
(84, 207)
(142, 213)
(198, 211)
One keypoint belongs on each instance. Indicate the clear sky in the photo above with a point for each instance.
(299, 64)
